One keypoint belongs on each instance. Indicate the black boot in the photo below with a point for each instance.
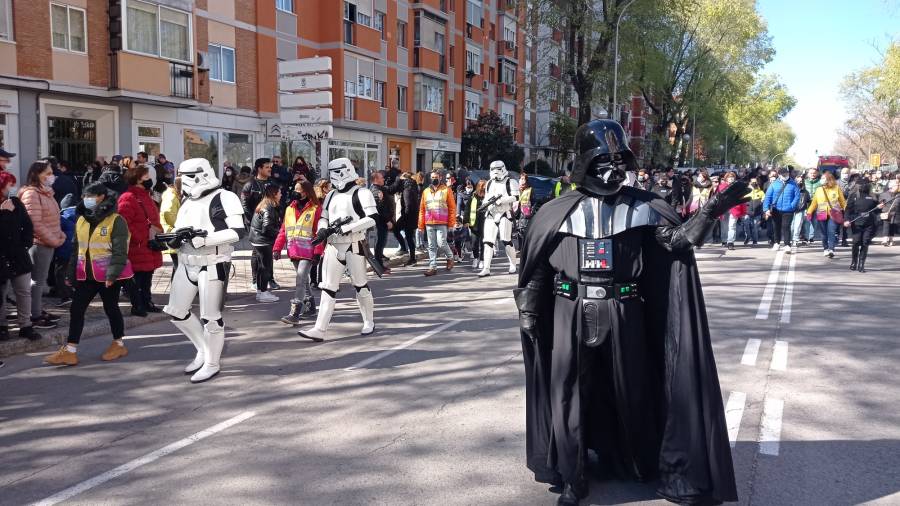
(863, 253)
(4, 333)
(855, 259)
(309, 306)
(29, 333)
(572, 495)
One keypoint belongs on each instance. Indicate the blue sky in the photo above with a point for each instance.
(817, 43)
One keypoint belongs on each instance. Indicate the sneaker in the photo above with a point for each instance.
(62, 357)
(49, 316)
(29, 333)
(787, 249)
(114, 351)
(253, 287)
(730, 246)
(63, 302)
(42, 323)
(266, 297)
(481, 264)
(776, 247)
(274, 286)
(825, 253)
(830, 254)
(475, 263)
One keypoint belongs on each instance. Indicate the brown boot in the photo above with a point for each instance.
(450, 264)
(62, 357)
(115, 351)
(431, 272)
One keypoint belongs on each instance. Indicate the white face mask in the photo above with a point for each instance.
(50, 180)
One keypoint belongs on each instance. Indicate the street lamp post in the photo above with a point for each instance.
(772, 163)
(616, 64)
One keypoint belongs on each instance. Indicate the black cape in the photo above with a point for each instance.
(695, 463)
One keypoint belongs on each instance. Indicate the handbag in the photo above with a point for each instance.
(886, 216)
(836, 215)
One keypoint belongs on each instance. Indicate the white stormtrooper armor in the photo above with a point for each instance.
(203, 263)
(499, 216)
(345, 250)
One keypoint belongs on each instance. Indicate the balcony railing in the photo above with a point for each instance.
(181, 80)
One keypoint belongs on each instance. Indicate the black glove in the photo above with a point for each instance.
(322, 234)
(719, 204)
(175, 243)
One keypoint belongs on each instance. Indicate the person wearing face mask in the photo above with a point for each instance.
(644, 181)
(463, 199)
(384, 223)
(99, 265)
(142, 217)
(37, 196)
(16, 236)
(437, 214)
(827, 207)
(754, 212)
(228, 176)
(799, 219)
(781, 201)
(700, 192)
(526, 208)
(664, 189)
(735, 216)
(298, 229)
(168, 213)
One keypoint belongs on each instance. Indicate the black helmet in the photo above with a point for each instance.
(603, 157)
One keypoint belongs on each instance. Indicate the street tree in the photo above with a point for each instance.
(487, 139)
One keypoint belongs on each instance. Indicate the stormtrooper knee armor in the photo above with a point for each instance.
(345, 250)
(203, 263)
(498, 217)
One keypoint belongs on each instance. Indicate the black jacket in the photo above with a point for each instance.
(113, 180)
(64, 185)
(857, 207)
(16, 236)
(252, 195)
(384, 202)
(264, 226)
(409, 202)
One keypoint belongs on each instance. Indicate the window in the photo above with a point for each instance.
(201, 144)
(401, 33)
(349, 89)
(158, 31)
(450, 111)
(473, 61)
(221, 63)
(452, 56)
(364, 87)
(6, 31)
(379, 93)
(285, 5)
(508, 119)
(432, 95)
(363, 19)
(509, 30)
(348, 108)
(238, 149)
(439, 43)
(508, 74)
(401, 98)
(472, 110)
(67, 28)
(474, 12)
(379, 24)
(150, 140)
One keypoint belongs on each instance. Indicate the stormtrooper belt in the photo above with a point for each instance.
(564, 287)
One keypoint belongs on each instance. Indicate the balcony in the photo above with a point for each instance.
(181, 80)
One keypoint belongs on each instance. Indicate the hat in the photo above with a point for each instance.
(94, 189)
(6, 154)
(116, 158)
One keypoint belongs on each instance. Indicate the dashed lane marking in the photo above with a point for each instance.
(734, 411)
(779, 356)
(788, 291)
(770, 429)
(766, 302)
(376, 358)
(141, 461)
(750, 352)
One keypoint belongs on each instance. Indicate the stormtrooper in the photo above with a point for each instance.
(502, 193)
(203, 262)
(347, 213)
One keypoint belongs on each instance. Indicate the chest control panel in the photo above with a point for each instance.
(595, 255)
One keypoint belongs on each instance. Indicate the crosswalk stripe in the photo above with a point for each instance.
(770, 428)
(734, 411)
(750, 352)
(779, 356)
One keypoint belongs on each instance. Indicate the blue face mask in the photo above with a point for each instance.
(90, 202)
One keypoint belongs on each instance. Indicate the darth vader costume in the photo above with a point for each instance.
(615, 335)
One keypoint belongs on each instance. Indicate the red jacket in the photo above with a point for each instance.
(738, 211)
(281, 240)
(140, 212)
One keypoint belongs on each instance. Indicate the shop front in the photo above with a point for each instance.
(364, 149)
(401, 149)
(436, 155)
(78, 132)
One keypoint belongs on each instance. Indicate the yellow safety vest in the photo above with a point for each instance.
(97, 246)
(299, 232)
(525, 202)
(559, 188)
(437, 212)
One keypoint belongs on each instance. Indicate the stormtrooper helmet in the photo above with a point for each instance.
(197, 178)
(498, 170)
(342, 173)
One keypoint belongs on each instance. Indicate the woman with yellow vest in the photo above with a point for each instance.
(437, 214)
(299, 228)
(99, 265)
(526, 207)
(168, 211)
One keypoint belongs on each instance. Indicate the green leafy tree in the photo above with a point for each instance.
(488, 139)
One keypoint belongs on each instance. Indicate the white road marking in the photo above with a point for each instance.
(140, 461)
(734, 411)
(788, 291)
(376, 358)
(766, 303)
(779, 356)
(770, 429)
(750, 352)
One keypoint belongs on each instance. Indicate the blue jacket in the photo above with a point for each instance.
(789, 199)
(67, 223)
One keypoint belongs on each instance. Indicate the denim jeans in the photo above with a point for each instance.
(41, 258)
(732, 227)
(829, 234)
(754, 228)
(797, 226)
(437, 240)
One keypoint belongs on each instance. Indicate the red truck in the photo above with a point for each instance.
(834, 164)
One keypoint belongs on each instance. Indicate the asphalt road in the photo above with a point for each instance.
(429, 409)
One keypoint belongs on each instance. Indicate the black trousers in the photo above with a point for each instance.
(60, 271)
(84, 293)
(781, 223)
(139, 290)
(862, 235)
(399, 237)
(410, 231)
(254, 264)
(264, 267)
(381, 231)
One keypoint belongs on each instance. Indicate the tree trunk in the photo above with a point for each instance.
(585, 91)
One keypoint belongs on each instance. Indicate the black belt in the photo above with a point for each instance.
(572, 290)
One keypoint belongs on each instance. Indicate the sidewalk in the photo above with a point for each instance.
(96, 323)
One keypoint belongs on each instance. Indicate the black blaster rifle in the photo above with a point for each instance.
(335, 228)
(174, 239)
(879, 209)
(484, 206)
